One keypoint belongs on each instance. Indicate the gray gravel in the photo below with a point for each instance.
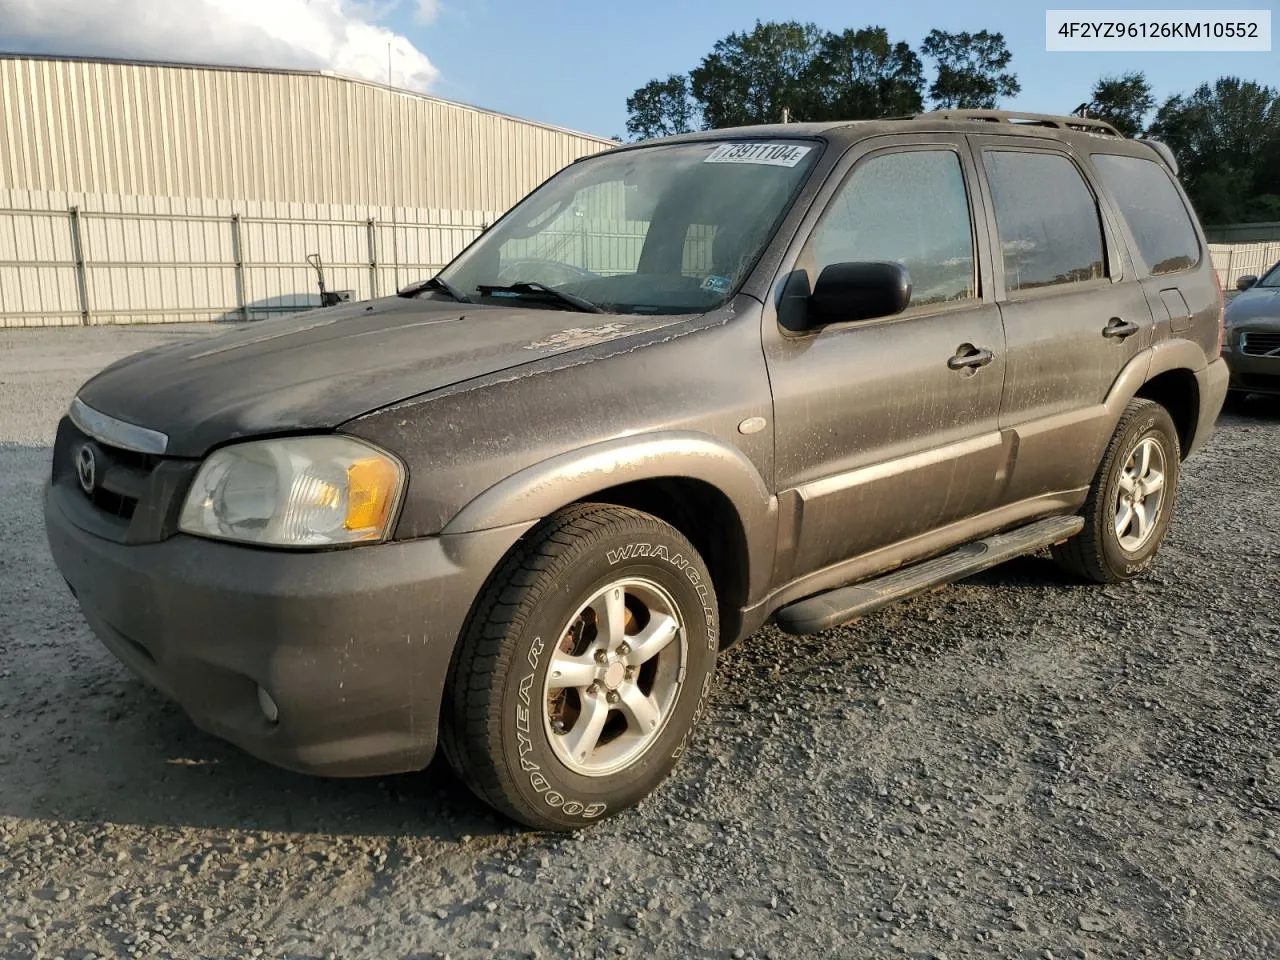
(1014, 766)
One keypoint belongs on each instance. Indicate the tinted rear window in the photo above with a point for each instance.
(1156, 214)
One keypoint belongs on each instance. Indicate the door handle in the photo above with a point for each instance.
(1119, 328)
(969, 357)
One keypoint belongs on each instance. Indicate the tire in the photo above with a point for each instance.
(561, 758)
(1105, 551)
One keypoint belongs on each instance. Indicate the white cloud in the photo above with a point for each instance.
(427, 10)
(340, 35)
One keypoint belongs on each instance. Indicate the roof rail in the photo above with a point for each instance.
(1080, 124)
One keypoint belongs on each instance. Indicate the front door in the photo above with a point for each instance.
(1074, 311)
(887, 428)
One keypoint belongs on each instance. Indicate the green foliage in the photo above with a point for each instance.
(751, 77)
(862, 75)
(971, 69)
(661, 108)
(1123, 101)
(817, 75)
(1226, 136)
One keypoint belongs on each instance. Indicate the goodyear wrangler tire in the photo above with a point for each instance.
(583, 669)
(1131, 500)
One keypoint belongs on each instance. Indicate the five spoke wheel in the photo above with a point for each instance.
(614, 677)
(1140, 494)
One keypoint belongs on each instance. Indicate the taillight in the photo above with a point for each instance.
(1222, 316)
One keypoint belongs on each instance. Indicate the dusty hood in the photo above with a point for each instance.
(316, 370)
(1257, 303)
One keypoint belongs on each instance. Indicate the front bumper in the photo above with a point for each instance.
(1252, 374)
(353, 645)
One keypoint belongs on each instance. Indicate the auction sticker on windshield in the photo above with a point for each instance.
(769, 154)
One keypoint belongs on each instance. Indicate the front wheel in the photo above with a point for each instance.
(583, 669)
(1131, 499)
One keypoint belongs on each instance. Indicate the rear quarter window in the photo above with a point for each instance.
(1151, 205)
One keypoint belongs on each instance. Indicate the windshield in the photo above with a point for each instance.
(1272, 279)
(662, 229)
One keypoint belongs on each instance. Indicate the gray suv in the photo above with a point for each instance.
(683, 388)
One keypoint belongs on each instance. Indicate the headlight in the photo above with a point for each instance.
(295, 492)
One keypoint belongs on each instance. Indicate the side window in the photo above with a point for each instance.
(911, 207)
(1050, 232)
(1156, 215)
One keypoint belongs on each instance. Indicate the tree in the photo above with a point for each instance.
(752, 77)
(1123, 102)
(971, 69)
(1224, 135)
(861, 75)
(796, 70)
(661, 108)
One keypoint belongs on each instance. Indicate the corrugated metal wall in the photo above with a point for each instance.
(145, 192)
(173, 131)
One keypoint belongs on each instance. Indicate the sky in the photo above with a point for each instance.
(567, 62)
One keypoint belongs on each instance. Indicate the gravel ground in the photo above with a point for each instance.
(1013, 766)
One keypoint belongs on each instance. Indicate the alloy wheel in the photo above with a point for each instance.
(615, 677)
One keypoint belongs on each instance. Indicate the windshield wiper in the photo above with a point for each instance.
(533, 288)
(437, 283)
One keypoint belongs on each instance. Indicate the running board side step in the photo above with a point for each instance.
(843, 604)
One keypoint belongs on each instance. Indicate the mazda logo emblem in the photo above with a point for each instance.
(86, 468)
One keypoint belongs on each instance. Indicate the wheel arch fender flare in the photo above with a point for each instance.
(544, 487)
(1150, 363)
(1165, 357)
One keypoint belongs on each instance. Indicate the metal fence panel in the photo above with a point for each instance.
(105, 259)
(1236, 260)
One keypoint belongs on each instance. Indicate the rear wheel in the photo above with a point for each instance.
(584, 667)
(1131, 499)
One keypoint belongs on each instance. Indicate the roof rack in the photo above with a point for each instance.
(1081, 124)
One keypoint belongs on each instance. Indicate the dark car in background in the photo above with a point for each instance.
(1252, 342)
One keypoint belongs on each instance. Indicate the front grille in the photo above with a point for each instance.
(120, 475)
(136, 497)
(114, 503)
(1256, 343)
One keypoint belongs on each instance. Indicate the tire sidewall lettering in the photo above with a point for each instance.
(645, 550)
(524, 709)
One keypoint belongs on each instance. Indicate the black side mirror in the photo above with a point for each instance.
(1245, 282)
(859, 291)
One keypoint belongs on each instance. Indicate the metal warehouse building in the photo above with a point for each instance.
(146, 192)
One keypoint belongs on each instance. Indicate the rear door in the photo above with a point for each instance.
(1074, 311)
(883, 429)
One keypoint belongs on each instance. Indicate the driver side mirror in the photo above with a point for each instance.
(859, 291)
(1245, 282)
